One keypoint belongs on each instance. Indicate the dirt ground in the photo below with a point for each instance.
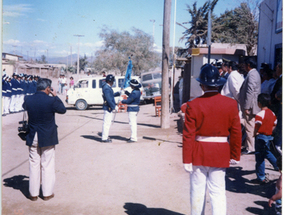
(146, 177)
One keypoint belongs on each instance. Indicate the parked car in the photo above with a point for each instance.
(151, 82)
(88, 91)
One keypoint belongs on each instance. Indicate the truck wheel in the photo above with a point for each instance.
(81, 104)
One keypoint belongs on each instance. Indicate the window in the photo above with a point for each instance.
(82, 84)
(147, 77)
(93, 83)
(101, 83)
(279, 17)
(278, 54)
(156, 75)
(121, 82)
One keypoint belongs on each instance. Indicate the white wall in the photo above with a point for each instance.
(267, 37)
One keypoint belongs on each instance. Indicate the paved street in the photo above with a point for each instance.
(119, 178)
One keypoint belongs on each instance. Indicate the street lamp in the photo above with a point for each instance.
(77, 35)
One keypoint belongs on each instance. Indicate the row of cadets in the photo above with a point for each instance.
(21, 85)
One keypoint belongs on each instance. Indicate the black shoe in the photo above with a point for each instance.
(258, 181)
(107, 141)
(131, 141)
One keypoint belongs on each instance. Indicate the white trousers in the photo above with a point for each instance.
(212, 178)
(13, 104)
(133, 124)
(42, 169)
(6, 104)
(20, 102)
(107, 121)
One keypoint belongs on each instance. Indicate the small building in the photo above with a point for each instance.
(9, 61)
(199, 57)
(270, 33)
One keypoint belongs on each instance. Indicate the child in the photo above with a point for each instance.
(265, 122)
(278, 194)
(71, 83)
(65, 88)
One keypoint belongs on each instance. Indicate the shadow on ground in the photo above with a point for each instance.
(265, 210)
(140, 209)
(18, 182)
(235, 182)
(157, 139)
(98, 138)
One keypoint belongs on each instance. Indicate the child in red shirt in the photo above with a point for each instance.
(265, 122)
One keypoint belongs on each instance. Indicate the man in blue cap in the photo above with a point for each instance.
(209, 120)
(133, 108)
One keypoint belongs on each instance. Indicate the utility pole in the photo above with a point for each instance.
(153, 27)
(209, 35)
(71, 56)
(14, 49)
(47, 55)
(165, 123)
(77, 35)
(174, 59)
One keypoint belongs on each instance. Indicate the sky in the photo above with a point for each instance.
(47, 27)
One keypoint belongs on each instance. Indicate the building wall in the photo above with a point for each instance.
(268, 38)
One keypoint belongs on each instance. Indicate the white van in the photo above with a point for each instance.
(88, 91)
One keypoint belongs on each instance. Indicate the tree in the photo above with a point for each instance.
(118, 47)
(199, 22)
(42, 60)
(239, 25)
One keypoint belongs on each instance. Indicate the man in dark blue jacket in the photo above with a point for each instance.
(133, 108)
(42, 138)
(108, 106)
(14, 97)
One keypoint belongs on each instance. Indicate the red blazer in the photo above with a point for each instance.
(211, 115)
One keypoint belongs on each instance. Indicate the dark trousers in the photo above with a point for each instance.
(262, 151)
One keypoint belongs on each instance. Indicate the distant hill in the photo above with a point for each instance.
(54, 60)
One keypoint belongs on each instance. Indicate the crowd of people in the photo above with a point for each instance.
(14, 89)
(212, 133)
(236, 97)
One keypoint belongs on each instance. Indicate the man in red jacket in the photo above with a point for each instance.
(209, 120)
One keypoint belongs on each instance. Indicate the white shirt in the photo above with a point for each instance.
(233, 84)
(63, 81)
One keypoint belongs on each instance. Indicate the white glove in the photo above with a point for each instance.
(116, 108)
(188, 167)
(233, 162)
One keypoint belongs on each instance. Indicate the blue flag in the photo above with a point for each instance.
(128, 74)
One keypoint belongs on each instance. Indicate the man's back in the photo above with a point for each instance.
(41, 109)
(211, 115)
(249, 91)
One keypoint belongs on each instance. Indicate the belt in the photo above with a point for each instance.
(211, 139)
(133, 105)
